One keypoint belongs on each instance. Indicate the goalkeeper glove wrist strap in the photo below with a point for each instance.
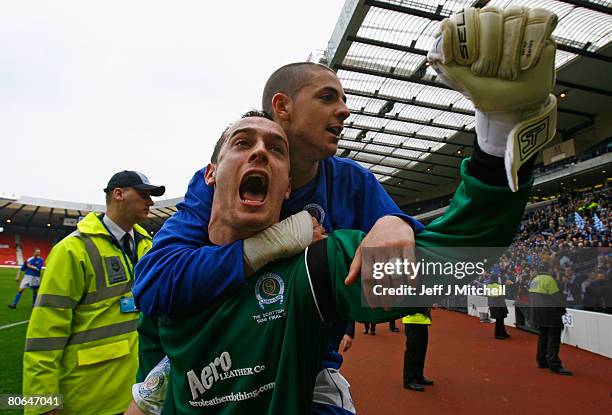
(529, 137)
(517, 136)
(490, 169)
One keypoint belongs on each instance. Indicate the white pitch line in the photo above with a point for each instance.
(14, 324)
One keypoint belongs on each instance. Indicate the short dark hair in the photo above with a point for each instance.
(252, 113)
(289, 80)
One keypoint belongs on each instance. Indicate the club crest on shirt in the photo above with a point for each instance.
(315, 211)
(269, 289)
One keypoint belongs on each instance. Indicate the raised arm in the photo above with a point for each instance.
(469, 221)
(483, 212)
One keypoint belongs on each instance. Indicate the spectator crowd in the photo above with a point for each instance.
(575, 229)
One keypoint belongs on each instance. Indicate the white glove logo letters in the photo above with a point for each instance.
(462, 36)
(528, 138)
(527, 49)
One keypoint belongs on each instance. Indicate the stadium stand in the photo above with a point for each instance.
(586, 171)
(576, 229)
(45, 222)
(595, 151)
(30, 242)
(8, 249)
(427, 207)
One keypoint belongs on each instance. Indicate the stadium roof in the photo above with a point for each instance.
(30, 212)
(410, 129)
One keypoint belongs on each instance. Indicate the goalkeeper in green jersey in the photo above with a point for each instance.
(259, 350)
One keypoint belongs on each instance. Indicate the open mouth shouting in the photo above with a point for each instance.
(254, 188)
(335, 130)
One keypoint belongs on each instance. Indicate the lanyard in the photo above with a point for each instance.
(128, 261)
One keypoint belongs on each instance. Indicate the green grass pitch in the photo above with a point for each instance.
(12, 338)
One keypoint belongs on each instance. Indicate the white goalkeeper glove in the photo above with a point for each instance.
(504, 62)
(150, 394)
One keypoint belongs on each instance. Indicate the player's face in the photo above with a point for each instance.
(37, 253)
(136, 204)
(251, 177)
(317, 116)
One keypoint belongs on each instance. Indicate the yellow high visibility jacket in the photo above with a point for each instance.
(495, 288)
(79, 343)
(417, 318)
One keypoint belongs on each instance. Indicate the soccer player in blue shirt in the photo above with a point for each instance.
(31, 279)
(180, 273)
(307, 100)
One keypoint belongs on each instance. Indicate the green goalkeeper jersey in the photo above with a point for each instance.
(258, 351)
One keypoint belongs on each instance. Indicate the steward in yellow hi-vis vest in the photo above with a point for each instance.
(498, 311)
(416, 327)
(548, 308)
(81, 341)
(417, 318)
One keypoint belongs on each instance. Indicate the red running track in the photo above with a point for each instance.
(474, 373)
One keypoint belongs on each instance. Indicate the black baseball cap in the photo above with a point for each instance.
(137, 180)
